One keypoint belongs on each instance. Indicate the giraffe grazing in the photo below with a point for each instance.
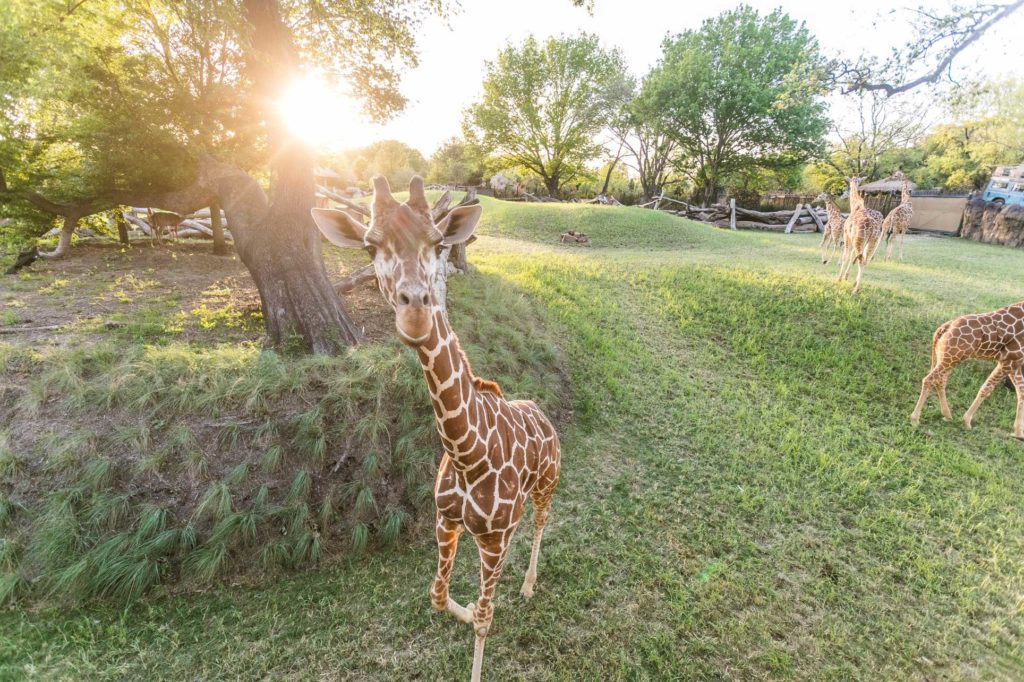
(862, 233)
(999, 336)
(497, 452)
(833, 233)
(897, 223)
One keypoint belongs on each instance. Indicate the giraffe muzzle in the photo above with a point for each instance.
(413, 314)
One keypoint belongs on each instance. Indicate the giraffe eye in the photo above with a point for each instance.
(372, 250)
(439, 249)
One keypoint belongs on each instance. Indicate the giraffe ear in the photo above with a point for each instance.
(458, 226)
(340, 228)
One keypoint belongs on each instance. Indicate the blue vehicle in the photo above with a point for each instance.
(1006, 186)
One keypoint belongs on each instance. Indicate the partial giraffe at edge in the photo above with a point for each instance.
(497, 452)
(998, 336)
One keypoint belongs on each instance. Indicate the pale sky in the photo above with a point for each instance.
(452, 57)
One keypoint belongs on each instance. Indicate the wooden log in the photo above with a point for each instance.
(351, 281)
(792, 221)
(334, 196)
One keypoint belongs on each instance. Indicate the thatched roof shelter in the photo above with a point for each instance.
(890, 184)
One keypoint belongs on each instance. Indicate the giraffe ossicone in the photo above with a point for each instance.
(497, 453)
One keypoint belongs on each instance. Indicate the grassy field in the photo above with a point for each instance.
(742, 493)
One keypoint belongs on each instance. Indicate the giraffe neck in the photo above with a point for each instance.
(856, 199)
(905, 194)
(454, 394)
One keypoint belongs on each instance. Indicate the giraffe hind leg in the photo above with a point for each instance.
(1018, 384)
(541, 511)
(986, 389)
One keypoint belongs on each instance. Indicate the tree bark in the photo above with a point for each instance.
(122, 227)
(220, 247)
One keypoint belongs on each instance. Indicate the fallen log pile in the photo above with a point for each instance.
(804, 218)
(574, 237)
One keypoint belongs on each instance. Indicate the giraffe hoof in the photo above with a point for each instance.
(526, 592)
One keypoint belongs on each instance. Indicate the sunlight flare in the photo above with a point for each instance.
(316, 111)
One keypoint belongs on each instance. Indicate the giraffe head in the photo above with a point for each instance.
(405, 246)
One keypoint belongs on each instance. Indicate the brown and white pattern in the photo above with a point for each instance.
(833, 233)
(497, 453)
(997, 336)
(897, 223)
(862, 233)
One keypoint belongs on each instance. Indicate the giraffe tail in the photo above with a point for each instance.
(935, 339)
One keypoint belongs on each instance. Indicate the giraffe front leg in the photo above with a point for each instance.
(447, 546)
(986, 389)
(493, 548)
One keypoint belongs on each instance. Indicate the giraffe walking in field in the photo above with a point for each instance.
(897, 223)
(998, 336)
(862, 232)
(498, 453)
(833, 232)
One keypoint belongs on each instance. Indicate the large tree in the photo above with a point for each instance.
(130, 47)
(544, 103)
(742, 90)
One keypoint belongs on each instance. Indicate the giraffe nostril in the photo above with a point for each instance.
(403, 299)
(425, 301)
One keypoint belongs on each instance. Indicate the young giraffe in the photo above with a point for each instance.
(999, 336)
(898, 221)
(862, 233)
(498, 452)
(833, 233)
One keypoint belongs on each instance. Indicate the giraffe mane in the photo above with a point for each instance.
(478, 383)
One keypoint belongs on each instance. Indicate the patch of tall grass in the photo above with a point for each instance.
(123, 467)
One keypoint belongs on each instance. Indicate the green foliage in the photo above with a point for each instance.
(742, 91)
(395, 160)
(457, 162)
(544, 102)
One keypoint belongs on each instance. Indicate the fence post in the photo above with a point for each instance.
(792, 220)
(732, 213)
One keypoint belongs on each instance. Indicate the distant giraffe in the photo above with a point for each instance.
(862, 232)
(998, 336)
(498, 453)
(897, 223)
(833, 232)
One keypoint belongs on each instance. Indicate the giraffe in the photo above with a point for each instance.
(497, 452)
(897, 222)
(862, 233)
(999, 336)
(833, 232)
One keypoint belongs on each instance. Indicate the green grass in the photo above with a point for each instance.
(742, 495)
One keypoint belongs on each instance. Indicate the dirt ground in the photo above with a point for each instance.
(175, 290)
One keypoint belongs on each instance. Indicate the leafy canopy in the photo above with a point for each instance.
(742, 90)
(544, 103)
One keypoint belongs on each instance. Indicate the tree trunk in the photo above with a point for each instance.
(67, 230)
(551, 184)
(122, 227)
(284, 255)
(220, 247)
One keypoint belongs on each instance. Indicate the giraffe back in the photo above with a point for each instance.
(998, 335)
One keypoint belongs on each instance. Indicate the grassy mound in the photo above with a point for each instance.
(127, 465)
(742, 495)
